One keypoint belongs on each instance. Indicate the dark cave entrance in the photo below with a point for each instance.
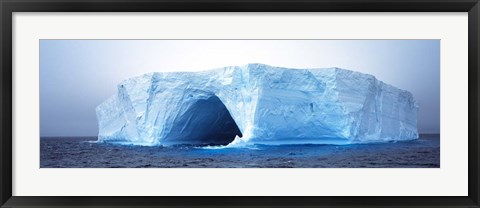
(206, 122)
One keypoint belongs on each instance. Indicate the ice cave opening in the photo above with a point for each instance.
(205, 122)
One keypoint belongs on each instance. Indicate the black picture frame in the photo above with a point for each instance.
(7, 7)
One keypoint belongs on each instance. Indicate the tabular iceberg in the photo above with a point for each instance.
(257, 104)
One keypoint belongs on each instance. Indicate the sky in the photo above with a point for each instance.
(78, 75)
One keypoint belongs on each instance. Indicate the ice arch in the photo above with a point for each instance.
(199, 108)
(205, 122)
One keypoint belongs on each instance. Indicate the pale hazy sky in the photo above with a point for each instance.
(77, 75)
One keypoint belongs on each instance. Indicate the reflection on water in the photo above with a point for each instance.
(82, 153)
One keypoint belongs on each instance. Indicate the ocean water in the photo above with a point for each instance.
(82, 152)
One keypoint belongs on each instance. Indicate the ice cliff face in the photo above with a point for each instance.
(257, 103)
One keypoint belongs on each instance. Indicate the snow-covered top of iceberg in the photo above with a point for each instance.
(257, 103)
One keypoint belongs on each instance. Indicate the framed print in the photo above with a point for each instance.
(212, 103)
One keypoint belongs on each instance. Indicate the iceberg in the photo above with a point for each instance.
(257, 104)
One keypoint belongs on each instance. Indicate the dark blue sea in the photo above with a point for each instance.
(82, 152)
